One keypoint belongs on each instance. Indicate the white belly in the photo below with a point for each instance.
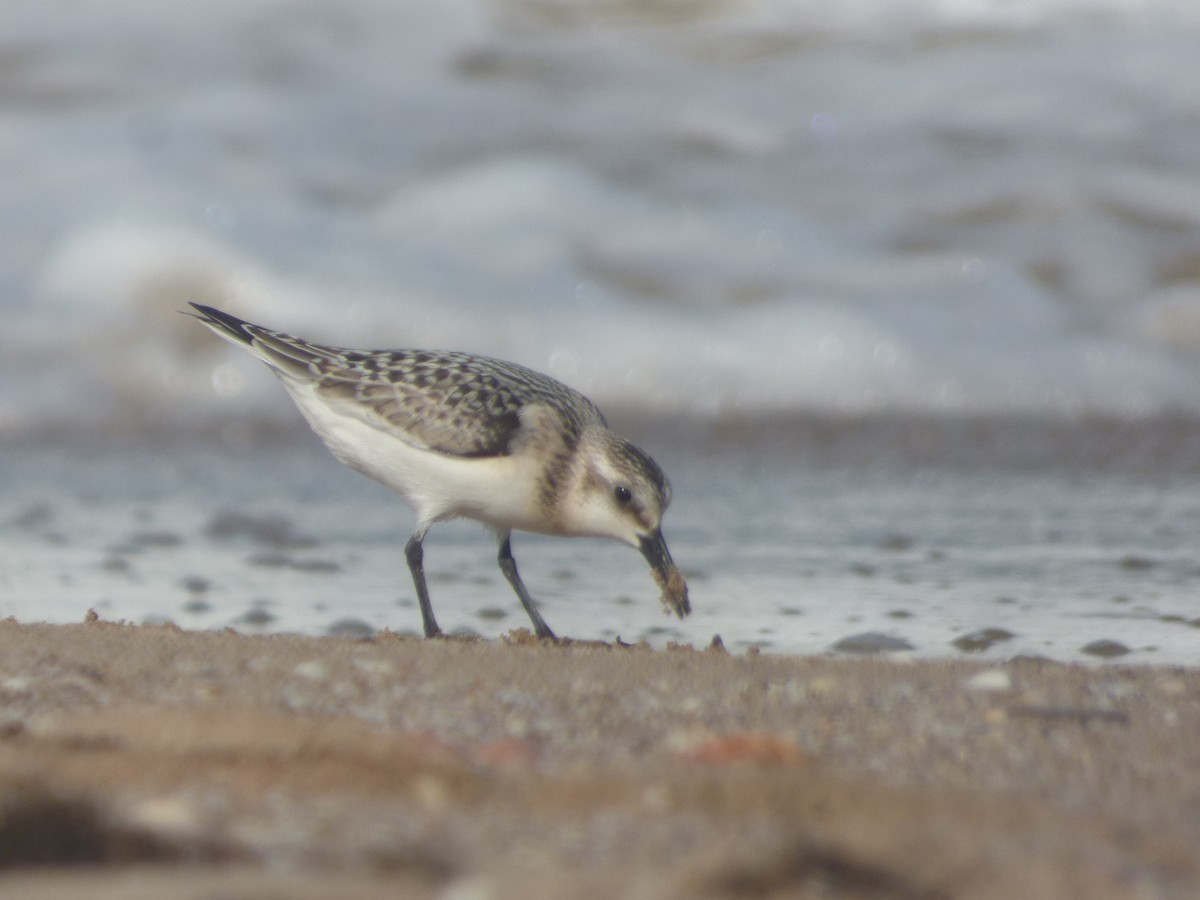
(500, 491)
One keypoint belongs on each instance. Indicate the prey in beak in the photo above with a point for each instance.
(666, 573)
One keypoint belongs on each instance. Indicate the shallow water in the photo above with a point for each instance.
(717, 211)
(779, 556)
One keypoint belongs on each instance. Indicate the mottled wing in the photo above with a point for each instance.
(453, 403)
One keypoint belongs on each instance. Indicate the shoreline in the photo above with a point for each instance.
(150, 756)
(1159, 444)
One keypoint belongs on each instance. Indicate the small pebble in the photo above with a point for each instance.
(276, 560)
(171, 814)
(872, 642)
(1136, 563)
(271, 531)
(989, 680)
(351, 628)
(257, 617)
(195, 584)
(142, 539)
(1172, 687)
(35, 515)
(984, 638)
(372, 666)
(897, 542)
(469, 889)
(313, 670)
(1105, 648)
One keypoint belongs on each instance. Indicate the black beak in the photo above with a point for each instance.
(668, 576)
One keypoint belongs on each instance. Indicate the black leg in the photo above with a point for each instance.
(415, 556)
(508, 566)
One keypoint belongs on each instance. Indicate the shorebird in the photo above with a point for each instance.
(458, 435)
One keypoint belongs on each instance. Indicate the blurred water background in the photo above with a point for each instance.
(905, 296)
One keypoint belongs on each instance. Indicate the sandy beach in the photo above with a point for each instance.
(141, 759)
(903, 297)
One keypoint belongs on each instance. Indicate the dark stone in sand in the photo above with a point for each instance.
(351, 628)
(36, 515)
(273, 560)
(1105, 648)
(872, 642)
(897, 542)
(258, 617)
(1136, 563)
(195, 584)
(271, 531)
(142, 539)
(977, 641)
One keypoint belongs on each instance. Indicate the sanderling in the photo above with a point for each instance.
(458, 435)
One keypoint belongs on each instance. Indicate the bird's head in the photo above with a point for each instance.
(621, 493)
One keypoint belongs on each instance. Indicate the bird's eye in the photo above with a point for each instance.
(622, 494)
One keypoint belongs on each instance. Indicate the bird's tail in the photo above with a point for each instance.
(289, 356)
(229, 327)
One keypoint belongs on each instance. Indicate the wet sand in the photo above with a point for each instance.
(137, 760)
